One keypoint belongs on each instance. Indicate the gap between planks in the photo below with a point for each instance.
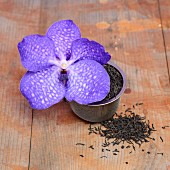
(164, 43)
(29, 157)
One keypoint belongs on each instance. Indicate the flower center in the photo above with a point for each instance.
(64, 66)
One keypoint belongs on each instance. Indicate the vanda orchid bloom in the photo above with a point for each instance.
(62, 64)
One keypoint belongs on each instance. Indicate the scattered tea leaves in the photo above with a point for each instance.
(161, 139)
(91, 147)
(103, 157)
(133, 147)
(125, 127)
(128, 109)
(153, 126)
(130, 128)
(115, 150)
(137, 104)
(122, 146)
(80, 144)
(163, 127)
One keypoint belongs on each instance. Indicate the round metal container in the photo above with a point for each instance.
(99, 111)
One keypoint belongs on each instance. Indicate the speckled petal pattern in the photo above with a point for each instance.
(63, 33)
(85, 49)
(36, 51)
(42, 89)
(88, 82)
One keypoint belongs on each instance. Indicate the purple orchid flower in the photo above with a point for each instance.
(58, 54)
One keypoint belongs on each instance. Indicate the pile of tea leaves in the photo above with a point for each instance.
(124, 130)
(128, 127)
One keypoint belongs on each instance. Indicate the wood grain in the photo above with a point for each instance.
(136, 34)
(131, 32)
(15, 113)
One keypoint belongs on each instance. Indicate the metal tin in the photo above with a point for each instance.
(99, 111)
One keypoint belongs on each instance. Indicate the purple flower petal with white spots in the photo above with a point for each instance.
(85, 49)
(63, 33)
(36, 52)
(42, 89)
(88, 82)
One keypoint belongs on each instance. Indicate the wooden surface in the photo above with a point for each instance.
(137, 35)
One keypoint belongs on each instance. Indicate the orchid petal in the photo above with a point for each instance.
(42, 89)
(85, 49)
(63, 33)
(88, 82)
(36, 52)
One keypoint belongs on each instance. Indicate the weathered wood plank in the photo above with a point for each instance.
(165, 16)
(17, 19)
(131, 32)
